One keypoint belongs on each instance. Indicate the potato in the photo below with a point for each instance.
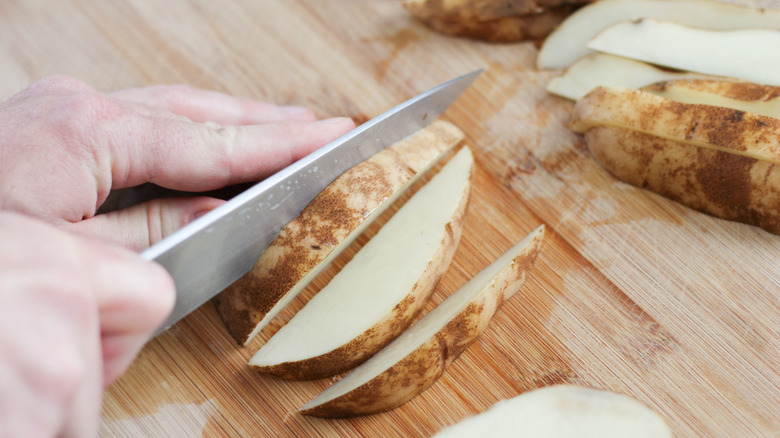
(568, 42)
(328, 225)
(598, 69)
(414, 361)
(379, 292)
(502, 21)
(563, 410)
(752, 54)
(744, 96)
(717, 160)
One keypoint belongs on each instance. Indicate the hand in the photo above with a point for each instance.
(73, 314)
(65, 146)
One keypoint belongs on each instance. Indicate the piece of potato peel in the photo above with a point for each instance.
(720, 161)
(601, 69)
(568, 42)
(563, 410)
(380, 291)
(415, 360)
(747, 54)
(327, 226)
(498, 21)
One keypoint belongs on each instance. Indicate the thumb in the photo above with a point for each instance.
(145, 224)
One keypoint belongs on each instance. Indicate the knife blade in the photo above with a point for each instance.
(210, 253)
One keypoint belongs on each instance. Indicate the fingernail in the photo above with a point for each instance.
(335, 121)
(296, 111)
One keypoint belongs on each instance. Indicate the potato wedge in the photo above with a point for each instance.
(378, 293)
(414, 361)
(744, 96)
(601, 69)
(568, 42)
(500, 21)
(717, 160)
(752, 54)
(328, 225)
(568, 411)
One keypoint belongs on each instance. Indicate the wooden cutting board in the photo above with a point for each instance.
(632, 293)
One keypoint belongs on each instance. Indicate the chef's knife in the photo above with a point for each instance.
(210, 253)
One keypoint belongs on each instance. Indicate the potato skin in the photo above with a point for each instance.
(330, 219)
(733, 89)
(498, 21)
(364, 346)
(716, 160)
(425, 365)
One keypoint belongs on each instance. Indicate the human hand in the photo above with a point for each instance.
(65, 146)
(74, 312)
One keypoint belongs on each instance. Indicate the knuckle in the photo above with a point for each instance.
(58, 84)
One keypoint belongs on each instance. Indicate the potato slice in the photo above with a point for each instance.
(378, 293)
(568, 42)
(744, 96)
(568, 411)
(749, 54)
(717, 160)
(599, 69)
(327, 226)
(414, 361)
(502, 21)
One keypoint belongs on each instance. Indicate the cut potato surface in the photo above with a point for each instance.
(744, 96)
(717, 160)
(748, 54)
(563, 411)
(377, 294)
(601, 69)
(568, 42)
(328, 225)
(415, 360)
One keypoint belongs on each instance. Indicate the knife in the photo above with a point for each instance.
(210, 253)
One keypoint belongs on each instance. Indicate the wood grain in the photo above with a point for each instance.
(632, 293)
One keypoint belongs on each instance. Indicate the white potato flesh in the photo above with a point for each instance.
(563, 411)
(378, 277)
(568, 42)
(601, 69)
(751, 54)
(432, 323)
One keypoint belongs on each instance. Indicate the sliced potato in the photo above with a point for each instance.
(717, 160)
(568, 411)
(599, 69)
(379, 292)
(751, 54)
(328, 225)
(414, 361)
(568, 42)
(744, 96)
(501, 21)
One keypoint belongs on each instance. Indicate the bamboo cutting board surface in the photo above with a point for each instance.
(632, 293)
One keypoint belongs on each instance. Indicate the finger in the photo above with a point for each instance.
(134, 298)
(204, 105)
(145, 224)
(180, 155)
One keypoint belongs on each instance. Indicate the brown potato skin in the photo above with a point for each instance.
(733, 89)
(498, 21)
(425, 365)
(364, 346)
(326, 222)
(716, 160)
